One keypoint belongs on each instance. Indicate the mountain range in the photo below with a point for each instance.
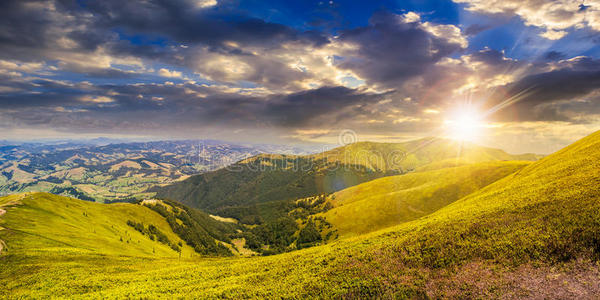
(115, 172)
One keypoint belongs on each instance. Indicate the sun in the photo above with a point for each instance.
(465, 125)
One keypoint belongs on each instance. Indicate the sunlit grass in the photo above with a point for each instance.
(394, 200)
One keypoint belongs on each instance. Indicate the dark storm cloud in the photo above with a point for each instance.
(391, 49)
(124, 39)
(22, 25)
(319, 106)
(476, 28)
(112, 73)
(180, 21)
(38, 25)
(554, 55)
(561, 84)
(489, 57)
(547, 96)
(307, 108)
(36, 93)
(131, 107)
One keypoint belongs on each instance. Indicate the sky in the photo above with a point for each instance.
(521, 75)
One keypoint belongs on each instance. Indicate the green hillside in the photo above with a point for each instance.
(268, 178)
(393, 200)
(56, 223)
(534, 233)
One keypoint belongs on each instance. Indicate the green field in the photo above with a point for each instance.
(45, 222)
(535, 232)
(394, 200)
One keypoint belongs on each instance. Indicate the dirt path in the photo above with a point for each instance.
(2, 212)
(240, 246)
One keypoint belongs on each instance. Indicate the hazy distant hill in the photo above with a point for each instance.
(115, 171)
(268, 178)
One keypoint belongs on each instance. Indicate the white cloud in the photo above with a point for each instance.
(20, 66)
(553, 34)
(448, 32)
(555, 16)
(204, 3)
(96, 99)
(170, 74)
(411, 17)
(431, 111)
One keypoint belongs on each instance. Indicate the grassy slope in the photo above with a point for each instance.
(48, 222)
(393, 200)
(542, 221)
(266, 178)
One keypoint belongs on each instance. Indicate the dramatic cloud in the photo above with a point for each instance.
(103, 35)
(395, 48)
(552, 95)
(555, 16)
(135, 107)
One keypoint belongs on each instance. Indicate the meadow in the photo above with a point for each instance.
(393, 200)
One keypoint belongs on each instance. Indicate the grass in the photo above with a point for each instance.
(393, 200)
(540, 222)
(47, 222)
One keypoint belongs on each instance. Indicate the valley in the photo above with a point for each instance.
(114, 172)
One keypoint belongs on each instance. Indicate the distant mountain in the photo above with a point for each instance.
(245, 186)
(115, 172)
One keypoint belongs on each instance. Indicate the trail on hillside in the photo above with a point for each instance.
(2, 212)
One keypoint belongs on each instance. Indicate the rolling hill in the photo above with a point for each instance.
(393, 200)
(269, 178)
(534, 233)
(57, 223)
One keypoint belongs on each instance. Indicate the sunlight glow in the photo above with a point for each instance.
(465, 125)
